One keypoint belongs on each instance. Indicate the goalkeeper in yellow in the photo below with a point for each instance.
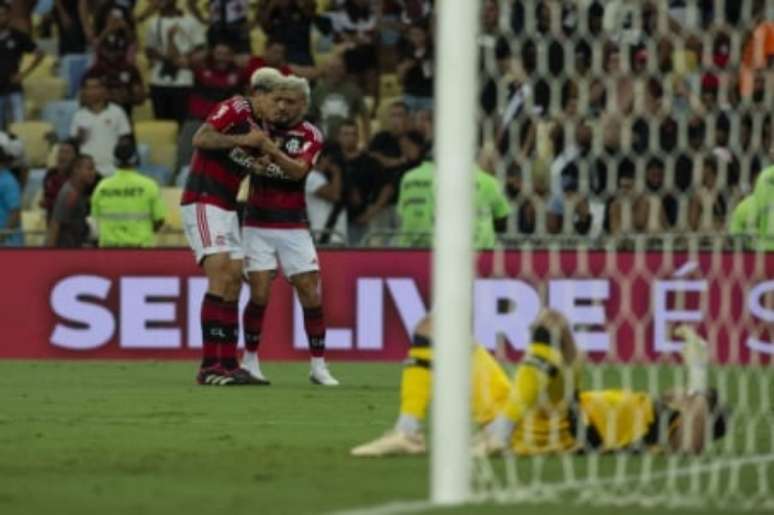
(544, 410)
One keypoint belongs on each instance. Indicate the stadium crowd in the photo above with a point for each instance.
(598, 118)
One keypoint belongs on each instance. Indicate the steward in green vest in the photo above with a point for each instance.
(127, 207)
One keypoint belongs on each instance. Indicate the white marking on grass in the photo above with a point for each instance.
(399, 507)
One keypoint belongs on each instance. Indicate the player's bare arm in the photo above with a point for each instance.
(294, 169)
(208, 137)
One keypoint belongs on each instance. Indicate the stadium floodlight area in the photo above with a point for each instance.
(550, 85)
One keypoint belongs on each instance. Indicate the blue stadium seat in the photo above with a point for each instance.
(59, 113)
(72, 67)
(182, 176)
(33, 187)
(161, 174)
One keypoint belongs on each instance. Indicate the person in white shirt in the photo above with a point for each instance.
(325, 208)
(172, 41)
(98, 125)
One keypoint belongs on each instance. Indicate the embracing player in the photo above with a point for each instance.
(276, 227)
(225, 147)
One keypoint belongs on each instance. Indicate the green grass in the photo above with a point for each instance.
(141, 438)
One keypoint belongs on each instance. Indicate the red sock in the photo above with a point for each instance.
(314, 323)
(212, 329)
(252, 324)
(228, 349)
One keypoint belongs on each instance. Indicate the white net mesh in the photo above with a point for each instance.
(629, 131)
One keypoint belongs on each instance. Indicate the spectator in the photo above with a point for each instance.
(423, 123)
(290, 22)
(273, 57)
(381, 214)
(10, 203)
(215, 80)
(68, 227)
(530, 205)
(385, 145)
(570, 199)
(121, 78)
(336, 98)
(327, 213)
(172, 42)
(98, 125)
(13, 45)
(127, 207)
(228, 21)
(415, 68)
(364, 181)
(757, 55)
(654, 210)
(354, 25)
(707, 208)
(56, 176)
(101, 17)
(69, 27)
(620, 219)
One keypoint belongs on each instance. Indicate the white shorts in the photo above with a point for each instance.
(211, 230)
(293, 247)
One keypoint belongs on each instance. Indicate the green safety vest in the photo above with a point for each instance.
(416, 207)
(125, 207)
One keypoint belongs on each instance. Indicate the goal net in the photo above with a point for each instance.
(627, 133)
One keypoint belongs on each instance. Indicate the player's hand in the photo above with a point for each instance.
(254, 139)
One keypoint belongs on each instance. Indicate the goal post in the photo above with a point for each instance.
(455, 122)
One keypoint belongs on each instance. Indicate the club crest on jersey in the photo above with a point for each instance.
(293, 146)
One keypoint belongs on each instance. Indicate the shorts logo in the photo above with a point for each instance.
(220, 240)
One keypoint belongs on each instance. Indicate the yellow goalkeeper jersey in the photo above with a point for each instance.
(542, 393)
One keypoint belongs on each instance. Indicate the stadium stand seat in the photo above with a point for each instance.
(161, 174)
(72, 68)
(44, 69)
(171, 234)
(154, 132)
(59, 113)
(182, 176)
(33, 224)
(171, 196)
(33, 188)
(39, 91)
(143, 112)
(35, 136)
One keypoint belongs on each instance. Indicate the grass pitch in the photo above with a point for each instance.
(141, 438)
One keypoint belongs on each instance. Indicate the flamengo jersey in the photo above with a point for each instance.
(277, 201)
(216, 174)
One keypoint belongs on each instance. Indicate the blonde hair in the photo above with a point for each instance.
(297, 84)
(265, 80)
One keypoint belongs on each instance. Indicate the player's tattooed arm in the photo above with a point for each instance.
(208, 137)
(294, 169)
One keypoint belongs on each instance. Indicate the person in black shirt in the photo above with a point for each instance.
(69, 27)
(415, 68)
(13, 45)
(228, 22)
(290, 21)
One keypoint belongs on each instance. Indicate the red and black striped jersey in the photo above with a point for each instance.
(277, 201)
(215, 175)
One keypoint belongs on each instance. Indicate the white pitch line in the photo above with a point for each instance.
(400, 507)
